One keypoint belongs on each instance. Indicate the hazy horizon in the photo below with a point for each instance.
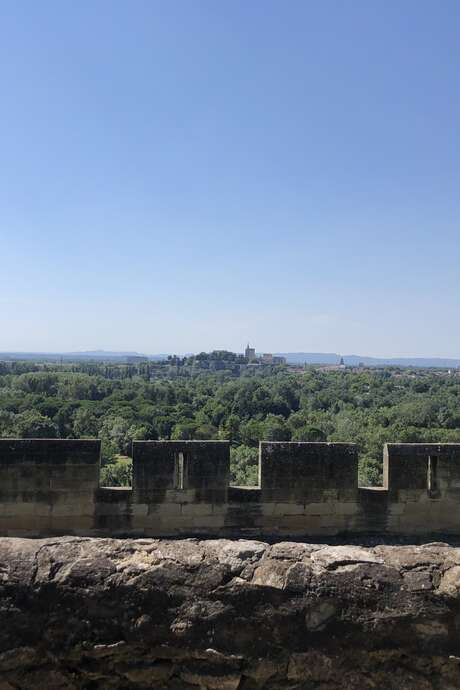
(182, 353)
(193, 175)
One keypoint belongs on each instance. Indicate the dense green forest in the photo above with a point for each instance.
(119, 403)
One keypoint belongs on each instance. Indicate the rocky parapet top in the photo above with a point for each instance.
(83, 613)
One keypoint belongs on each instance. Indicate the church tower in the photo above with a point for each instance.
(250, 353)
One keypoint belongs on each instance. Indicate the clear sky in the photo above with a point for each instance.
(188, 175)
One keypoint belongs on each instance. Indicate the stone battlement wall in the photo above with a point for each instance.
(51, 487)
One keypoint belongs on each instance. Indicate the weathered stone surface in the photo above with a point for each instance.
(90, 614)
(334, 556)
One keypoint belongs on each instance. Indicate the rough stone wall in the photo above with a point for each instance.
(181, 488)
(106, 614)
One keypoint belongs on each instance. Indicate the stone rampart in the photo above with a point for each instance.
(48, 486)
(51, 487)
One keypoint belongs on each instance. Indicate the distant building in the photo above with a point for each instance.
(266, 358)
(279, 360)
(331, 367)
(250, 353)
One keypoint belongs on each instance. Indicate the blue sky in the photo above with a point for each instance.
(183, 176)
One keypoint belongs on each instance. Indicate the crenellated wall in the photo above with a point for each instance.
(48, 486)
(423, 487)
(51, 487)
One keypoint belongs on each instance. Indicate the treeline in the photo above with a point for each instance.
(367, 408)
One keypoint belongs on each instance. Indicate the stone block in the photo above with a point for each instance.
(220, 508)
(396, 509)
(69, 485)
(347, 508)
(297, 523)
(196, 509)
(139, 510)
(143, 523)
(165, 510)
(329, 495)
(173, 524)
(319, 508)
(73, 509)
(40, 510)
(182, 496)
(283, 508)
(72, 523)
(209, 522)
(334, 521)
(25, 523)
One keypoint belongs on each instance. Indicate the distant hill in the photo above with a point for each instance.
(354, 360)
(91, 355)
